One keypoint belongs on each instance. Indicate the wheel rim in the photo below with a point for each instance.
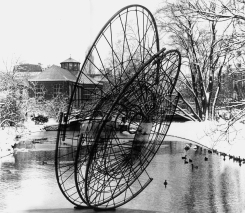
(113, 171)
(126, 54)
(64, 166)
(121, 61)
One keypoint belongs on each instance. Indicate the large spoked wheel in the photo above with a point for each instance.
(127, 40)
(116, 169)
(65, 154)
(98, 166)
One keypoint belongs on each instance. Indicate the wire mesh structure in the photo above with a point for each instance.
(123, 123)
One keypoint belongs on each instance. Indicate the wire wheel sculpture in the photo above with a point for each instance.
(124, 117)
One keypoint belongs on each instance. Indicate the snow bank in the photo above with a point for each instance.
(215, 135)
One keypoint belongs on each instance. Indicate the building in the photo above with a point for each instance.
(233, 81)
(32, 69)
(26, 71)
(56, 81)
(52, 82)
(72, 65)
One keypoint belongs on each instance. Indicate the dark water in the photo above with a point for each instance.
(215, 186)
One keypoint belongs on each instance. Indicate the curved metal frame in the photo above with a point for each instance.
(140, 166)
(98, 37)
(59, 167)
(91, 147)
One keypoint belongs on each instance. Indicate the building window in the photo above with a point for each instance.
(75, 68)
(86, 94)
(39, 92)
(57, 90)
(70, 66)
(64, 66)
(91, 93)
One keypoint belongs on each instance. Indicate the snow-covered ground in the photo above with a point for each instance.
(212, 134)
(208, 133)
(10, 135)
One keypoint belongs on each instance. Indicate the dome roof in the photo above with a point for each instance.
(70, 60)
(54, 73)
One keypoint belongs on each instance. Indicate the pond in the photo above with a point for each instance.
(214, 185)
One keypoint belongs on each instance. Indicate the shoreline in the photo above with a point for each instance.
(204, 133)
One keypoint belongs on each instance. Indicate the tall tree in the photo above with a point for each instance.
(12, 88)
(206, 46)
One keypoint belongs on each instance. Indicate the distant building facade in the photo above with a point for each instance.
(233, 81)
(27, 71)
(55, 81)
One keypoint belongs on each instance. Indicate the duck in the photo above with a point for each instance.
(206, 159)
(195, 147)
(222, 154)
(194, 167)
(17, 136)
(44, 162)
(187, 147)
(190, 160)
(186, 162)
(184, 157)
(239, 160)
(14, 146)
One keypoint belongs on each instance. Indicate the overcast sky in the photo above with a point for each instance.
(49, 31)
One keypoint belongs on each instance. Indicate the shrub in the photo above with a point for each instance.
(40, 119)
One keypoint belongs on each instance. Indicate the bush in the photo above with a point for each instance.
(10, 109)
(40, 119)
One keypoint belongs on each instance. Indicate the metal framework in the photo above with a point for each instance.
(104, 164)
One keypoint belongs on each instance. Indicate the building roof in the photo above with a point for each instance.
(85, 79)
(54, 73)
(99, 77)
(28, 68)
(70, 60)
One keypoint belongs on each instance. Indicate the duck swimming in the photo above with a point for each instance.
(184, 157)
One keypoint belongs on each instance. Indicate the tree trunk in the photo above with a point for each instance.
(214, 103)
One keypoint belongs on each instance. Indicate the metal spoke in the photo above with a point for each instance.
(124, 122)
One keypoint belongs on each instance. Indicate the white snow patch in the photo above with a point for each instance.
(212, 134)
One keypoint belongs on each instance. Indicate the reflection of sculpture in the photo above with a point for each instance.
(107, 165)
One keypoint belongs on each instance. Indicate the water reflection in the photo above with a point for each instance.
(215, 186)
(211, 186)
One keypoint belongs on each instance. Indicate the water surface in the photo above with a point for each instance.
(215, 186)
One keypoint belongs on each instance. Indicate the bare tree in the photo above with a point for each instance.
(12, 87)
(206, 46)
(225, 11)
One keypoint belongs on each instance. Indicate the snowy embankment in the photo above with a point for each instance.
(212, 134)
(11, 135)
